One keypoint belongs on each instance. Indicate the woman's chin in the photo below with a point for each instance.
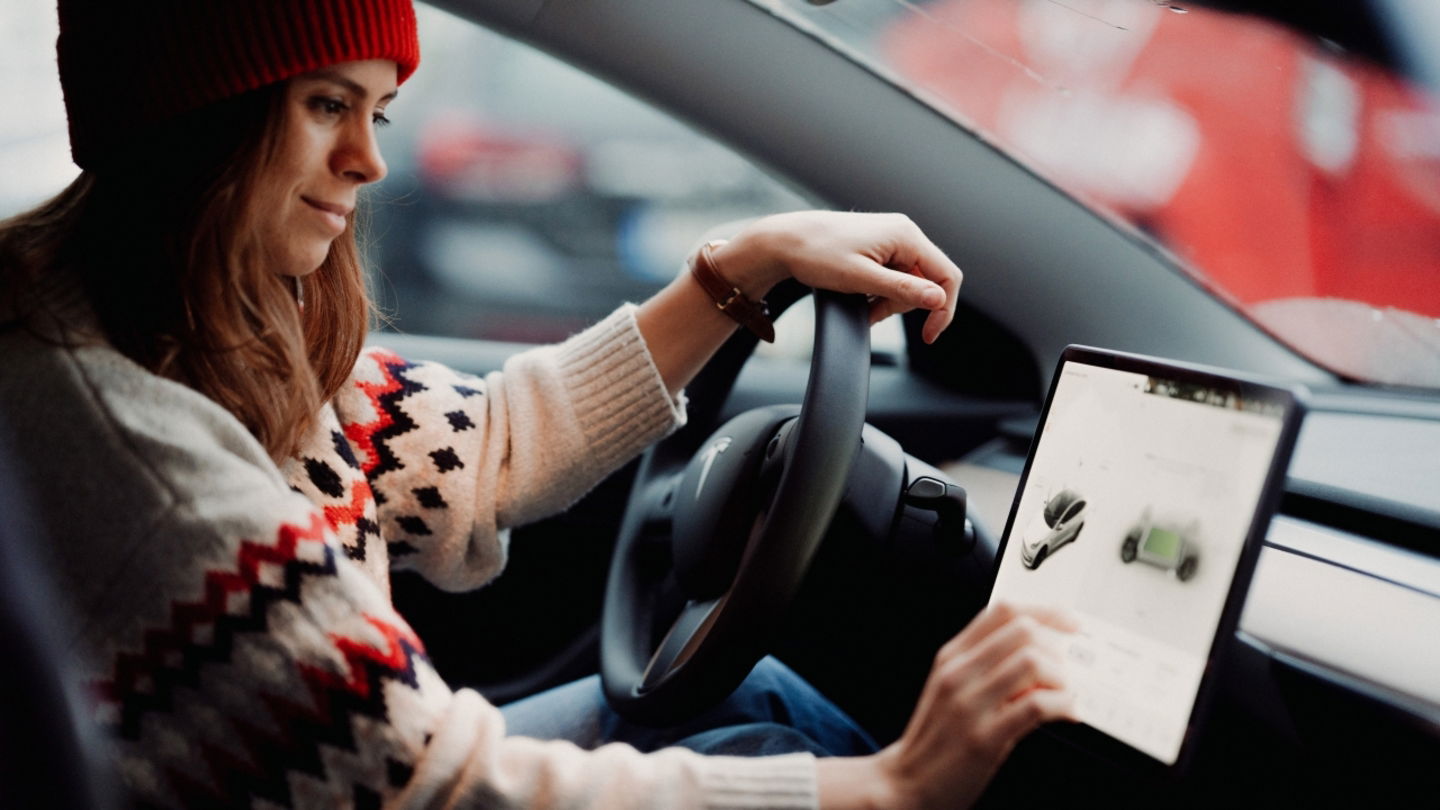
(306, 262)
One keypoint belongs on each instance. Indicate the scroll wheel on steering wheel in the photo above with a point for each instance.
(936, 495)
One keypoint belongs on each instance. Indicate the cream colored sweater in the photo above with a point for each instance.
(238, 638)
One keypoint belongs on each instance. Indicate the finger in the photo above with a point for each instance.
(1025, 714)
(1056, 618)
(882, 308)
(932, 263)
(905, 290)
(965, 662)
(935, 324)
(998, 614)
(986, 622)
(941, 317)
(1029, 668)
(1053, 617)
(946, 672)
(979, 684)
(981, 664)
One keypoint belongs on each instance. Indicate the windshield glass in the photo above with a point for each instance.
(1294, 177)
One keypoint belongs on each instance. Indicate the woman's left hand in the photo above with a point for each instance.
(884, 256)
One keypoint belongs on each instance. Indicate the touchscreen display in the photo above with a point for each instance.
(1133, 515)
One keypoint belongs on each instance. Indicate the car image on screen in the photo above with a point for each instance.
(1059, 523)
(1163, 545)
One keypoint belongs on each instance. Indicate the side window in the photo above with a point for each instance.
(34, 144)
(526, 199)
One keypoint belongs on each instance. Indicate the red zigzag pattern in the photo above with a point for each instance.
(362, 436)
(133, 670)
(351, 513)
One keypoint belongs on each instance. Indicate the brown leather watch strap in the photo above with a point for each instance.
(728, 298)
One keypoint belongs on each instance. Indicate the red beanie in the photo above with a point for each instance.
(126, 66)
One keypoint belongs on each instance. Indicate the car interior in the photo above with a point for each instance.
(1330, 691)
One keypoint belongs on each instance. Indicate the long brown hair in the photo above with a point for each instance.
(162, 243)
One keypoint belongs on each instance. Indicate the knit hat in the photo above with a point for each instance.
(127, 66)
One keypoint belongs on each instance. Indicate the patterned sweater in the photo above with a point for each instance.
(238, 638)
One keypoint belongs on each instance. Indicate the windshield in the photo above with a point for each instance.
(1291, 176)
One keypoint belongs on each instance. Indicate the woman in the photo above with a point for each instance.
(227, 478)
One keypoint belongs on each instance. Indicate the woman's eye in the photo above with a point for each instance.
(380, 119)
(328, 106)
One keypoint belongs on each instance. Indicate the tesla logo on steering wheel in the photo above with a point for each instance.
(711, 453)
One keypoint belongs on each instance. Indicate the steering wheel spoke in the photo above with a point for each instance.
(686, 634)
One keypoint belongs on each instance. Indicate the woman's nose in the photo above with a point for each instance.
(359, 158)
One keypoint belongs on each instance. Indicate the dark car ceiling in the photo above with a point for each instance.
(1040, 264)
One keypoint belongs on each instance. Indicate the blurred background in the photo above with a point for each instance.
(34, 149)
(525, 198)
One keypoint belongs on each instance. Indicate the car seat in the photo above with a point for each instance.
(49, 751)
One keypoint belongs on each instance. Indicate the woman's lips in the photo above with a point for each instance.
(332, 213)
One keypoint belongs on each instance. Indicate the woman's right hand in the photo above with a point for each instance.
(992, 684)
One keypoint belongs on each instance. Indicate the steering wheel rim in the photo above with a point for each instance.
(714, 641)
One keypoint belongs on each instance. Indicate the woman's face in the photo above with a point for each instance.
(326, 151)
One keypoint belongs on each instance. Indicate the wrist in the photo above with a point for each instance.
(854, 783)
(748, 262)
(729, 296)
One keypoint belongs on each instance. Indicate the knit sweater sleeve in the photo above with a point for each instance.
(455, 460)
(238, 658)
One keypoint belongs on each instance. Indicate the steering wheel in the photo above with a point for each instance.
(712, 549)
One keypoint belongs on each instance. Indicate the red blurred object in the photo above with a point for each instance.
(467, 160)
(1276, 168)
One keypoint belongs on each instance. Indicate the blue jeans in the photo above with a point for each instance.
(774, 711)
